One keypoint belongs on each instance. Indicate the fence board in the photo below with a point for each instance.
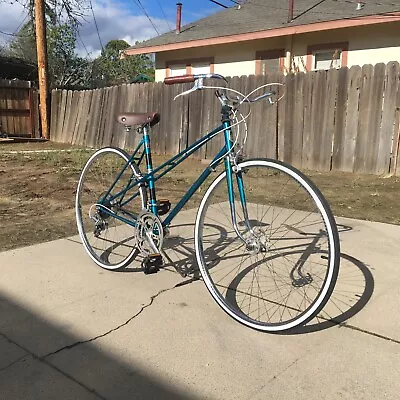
(293, 123)
(55, 101)
(196, 109)
(396, 147)
(120, 136)
(309, 81)
(177, 128)
(375, 118)
(328, 125)
(316, 143)
(388, 132)
(73, 117)
(208, 123)
(104, 115)
(340, 120)
(35, 114)
(128, 106)
(352, 118)
(62, 110)
(363, 123)
(85, 120)
(67, 116)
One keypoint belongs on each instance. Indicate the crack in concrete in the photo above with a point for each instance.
(377, 335)
(65, 374)
(14, 362)
(152, 298)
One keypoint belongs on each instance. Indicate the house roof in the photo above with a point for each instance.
(269, 16)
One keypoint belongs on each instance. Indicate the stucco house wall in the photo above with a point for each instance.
(366, 45)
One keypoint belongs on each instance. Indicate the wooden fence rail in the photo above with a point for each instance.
(19, 109)
(342, 120)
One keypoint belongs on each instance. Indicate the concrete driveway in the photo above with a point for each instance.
(70, 330)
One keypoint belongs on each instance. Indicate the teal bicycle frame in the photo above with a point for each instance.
(152, 176)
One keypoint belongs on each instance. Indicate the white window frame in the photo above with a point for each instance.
(322, 51)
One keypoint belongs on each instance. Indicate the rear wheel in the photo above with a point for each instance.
(110, 242)
(282, 271)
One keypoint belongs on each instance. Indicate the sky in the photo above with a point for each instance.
(116, 19)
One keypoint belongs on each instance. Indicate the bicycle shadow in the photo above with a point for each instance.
(353, 290)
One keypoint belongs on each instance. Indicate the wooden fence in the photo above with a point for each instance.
(19, 109)
(342, 120)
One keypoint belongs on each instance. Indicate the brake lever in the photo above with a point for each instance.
(185, 92)
(263, 96)
(198, 85)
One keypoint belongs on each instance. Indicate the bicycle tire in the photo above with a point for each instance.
(110, 243)
(292, 224)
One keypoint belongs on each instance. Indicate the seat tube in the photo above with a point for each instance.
(149, 164)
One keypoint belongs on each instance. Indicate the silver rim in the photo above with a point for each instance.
(125, 259)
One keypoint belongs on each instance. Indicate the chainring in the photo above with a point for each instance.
(149, 233)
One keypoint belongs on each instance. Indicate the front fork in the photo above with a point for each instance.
(231, 169)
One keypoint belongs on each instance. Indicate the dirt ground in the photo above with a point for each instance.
(37, 192)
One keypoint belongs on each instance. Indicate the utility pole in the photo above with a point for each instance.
(41, 44)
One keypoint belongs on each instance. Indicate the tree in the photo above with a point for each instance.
(112, 68)
(66, 69)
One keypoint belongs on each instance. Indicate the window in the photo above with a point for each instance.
(201, 68)
(193, 66)
(327, 59)
(327, 56)
(270, 61)
(177, 69)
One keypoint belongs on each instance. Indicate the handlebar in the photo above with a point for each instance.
(179, 79)
(221, 93)
(172, 80)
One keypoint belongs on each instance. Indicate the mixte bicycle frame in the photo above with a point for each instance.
(143, 153)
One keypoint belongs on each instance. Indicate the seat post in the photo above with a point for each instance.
(149, 164)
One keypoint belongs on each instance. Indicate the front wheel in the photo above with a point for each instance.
(276, 263)
(109, 241)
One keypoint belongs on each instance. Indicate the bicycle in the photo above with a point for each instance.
(266, 241)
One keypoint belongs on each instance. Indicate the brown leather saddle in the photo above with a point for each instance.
(133, 119)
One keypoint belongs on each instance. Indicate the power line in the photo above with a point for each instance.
(308, 10)
(95, 24)
(165, 17)
(14, 34)
(312, 11)
(219, 4)
(140, 5)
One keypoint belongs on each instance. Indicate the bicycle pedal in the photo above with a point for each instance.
(163, 206)
(152, 263)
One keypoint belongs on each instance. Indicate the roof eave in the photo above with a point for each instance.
(270, 33)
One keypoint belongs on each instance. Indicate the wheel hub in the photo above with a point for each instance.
(258, 243)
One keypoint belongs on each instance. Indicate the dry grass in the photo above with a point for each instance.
(37, 192)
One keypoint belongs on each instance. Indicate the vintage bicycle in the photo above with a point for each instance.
(266, 241)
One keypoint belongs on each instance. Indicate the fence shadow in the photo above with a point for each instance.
(73, 370)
